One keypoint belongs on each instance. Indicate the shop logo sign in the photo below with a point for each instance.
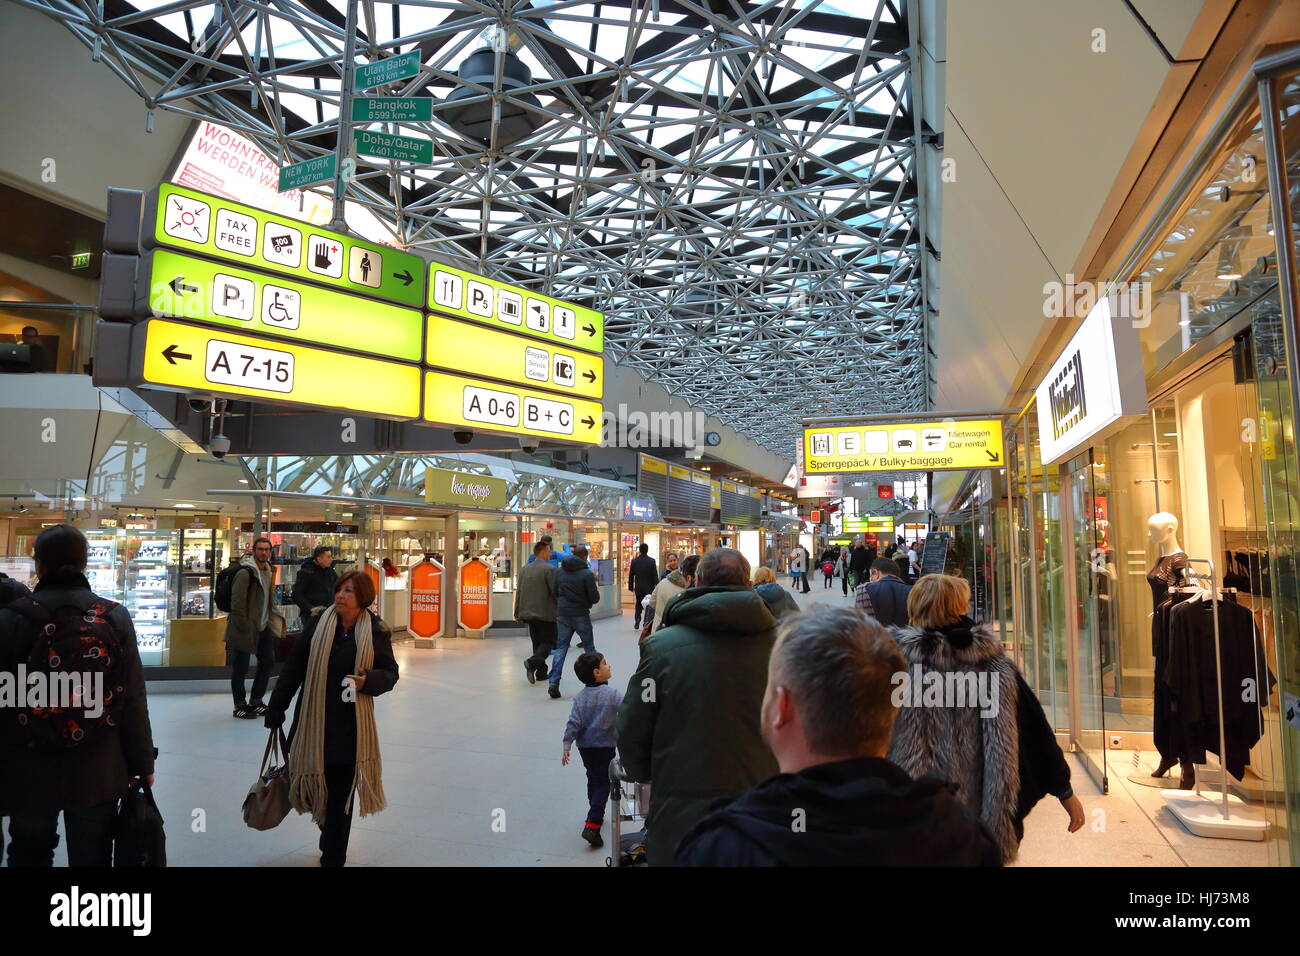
(1068, 396)
(472, 490)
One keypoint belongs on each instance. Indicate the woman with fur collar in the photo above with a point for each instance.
(967, 715)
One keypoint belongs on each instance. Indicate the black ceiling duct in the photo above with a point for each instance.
(520, 114)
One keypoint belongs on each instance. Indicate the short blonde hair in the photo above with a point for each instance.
(764, 575)
(938, 600)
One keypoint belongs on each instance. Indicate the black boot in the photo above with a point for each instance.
(1188, 780)
(1166, 764)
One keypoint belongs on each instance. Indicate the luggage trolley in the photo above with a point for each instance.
(629, 802)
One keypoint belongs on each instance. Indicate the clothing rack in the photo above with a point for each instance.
(1228, 818)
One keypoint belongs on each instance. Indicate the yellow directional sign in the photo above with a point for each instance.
(488, 406)
(192, 359)
(462, 347)
(905, 446)
(514, 309)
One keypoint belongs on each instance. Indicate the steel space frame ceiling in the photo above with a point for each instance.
(731, 182)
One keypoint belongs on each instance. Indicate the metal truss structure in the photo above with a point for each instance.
(731, 181)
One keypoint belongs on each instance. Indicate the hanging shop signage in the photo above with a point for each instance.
(1097, 380)
(444, 487)
(869, 524)
(187, 358)
(638, 508)
(460, 346)
(905, 446)
(310, 172)
(486, 406)
(884, 491)
(426, 599)
(187, 287)
(475, 594)
(388, 70)
(190, 220)
(387, 146)
(820, 486)
(465, 295)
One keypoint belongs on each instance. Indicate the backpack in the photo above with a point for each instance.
(225, 586)
(828, 568)
(72, 641)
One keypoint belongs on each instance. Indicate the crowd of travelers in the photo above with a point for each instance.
(769, 735)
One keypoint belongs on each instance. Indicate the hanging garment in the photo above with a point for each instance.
(1166, 723)
(1191, 674)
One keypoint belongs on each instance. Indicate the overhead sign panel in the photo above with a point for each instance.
(488, 406)
(310, 172)
(905, 446)
(514, 309)
(460, 347)
(1097, 380)
(186, 219)
(187, 287)
(388, 70)
(392, 109)
(386, 146)
(190, 358)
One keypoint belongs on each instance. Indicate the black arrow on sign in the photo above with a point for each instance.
(589, 329)
(179, 287)
(405, 276)
(171, 355)
(589, 422)
(993, 456)
(589, 375)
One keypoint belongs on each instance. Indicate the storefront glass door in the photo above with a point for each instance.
(1091, 589)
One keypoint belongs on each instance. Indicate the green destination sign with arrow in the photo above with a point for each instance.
(387, 146)
(186, 287)
(465, 295)
(310, 172)
(388, 70)
(392, 109)
(197, 222)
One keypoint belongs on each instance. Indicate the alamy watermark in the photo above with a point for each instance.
(944, 689)
(53, 690)
(623, 427)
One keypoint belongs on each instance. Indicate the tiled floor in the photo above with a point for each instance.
(472, 772)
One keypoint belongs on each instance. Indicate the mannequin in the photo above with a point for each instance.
(1162, 529)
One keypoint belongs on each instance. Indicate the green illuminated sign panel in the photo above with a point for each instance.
(80, 260)
(392, 109)
(310, 172)
(465, 295)
(386, 146)
(196, 222)
(388, 70)
(186, 287)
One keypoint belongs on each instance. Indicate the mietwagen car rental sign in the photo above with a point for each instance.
(904, 446)
(225, 299)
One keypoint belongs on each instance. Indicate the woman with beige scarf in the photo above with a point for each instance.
(342, 661)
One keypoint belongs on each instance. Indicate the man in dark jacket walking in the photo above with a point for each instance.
(642, 578)
(83, 782)
(827, 715)
(859, 563)
(535, 606)
(689, 721)
(884, 597)
(575, 595)
(313, 587)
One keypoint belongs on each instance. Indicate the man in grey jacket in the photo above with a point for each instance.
(252, 627)
(535, 606)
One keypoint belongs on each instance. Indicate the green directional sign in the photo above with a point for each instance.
(388, 70)
(387, 146)
(465, 295)
(310, 172)
(192, 221)
(392, 109)
(182, 286)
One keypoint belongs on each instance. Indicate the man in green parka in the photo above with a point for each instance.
(689, 722)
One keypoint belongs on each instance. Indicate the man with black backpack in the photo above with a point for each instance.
(80, 757)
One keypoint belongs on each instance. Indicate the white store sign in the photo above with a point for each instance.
(1097, 379)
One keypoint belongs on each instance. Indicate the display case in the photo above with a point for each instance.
(198, 554)
(148, 584)
(102, 570)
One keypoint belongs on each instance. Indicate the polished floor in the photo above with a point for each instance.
(472, 771)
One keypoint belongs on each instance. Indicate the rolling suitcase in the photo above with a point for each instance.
(629, 802)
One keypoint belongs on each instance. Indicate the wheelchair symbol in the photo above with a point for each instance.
(280, 307)
(277, 312)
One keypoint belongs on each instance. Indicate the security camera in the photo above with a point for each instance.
(462, 437)
(220, 446)
(530, 445)
(200, 403)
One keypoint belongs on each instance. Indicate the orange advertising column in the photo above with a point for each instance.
(377, 581)
(475, 594)
(426, 599)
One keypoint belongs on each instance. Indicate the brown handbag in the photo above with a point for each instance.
(267, 802)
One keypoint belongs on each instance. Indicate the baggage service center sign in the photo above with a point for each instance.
(910, 446)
